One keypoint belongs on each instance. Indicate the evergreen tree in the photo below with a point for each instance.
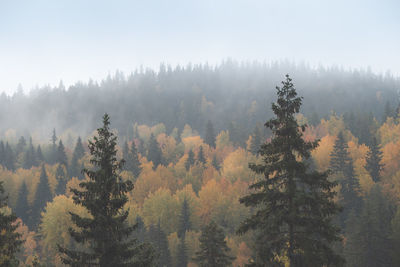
(61, 178)
(182, 257)
(388, 112)
(159, 241)
(369, 235)
(294, 207)
(30, 156)
(190, 160)
(342, 166)
(136, 165)
(42, 196)
(154, 152)
(81, 174)
(374, 159)
(9, 158)
(22, 208)
(20, 145)
(9, 239)
(39, 155)
(200, 156)
(53, 155)
(210, 134)
(61, 155)
(104, 196)
(184, 219)
(78, 153)
(214, 251)
(256, 142)
(2, 153)
(215, 163)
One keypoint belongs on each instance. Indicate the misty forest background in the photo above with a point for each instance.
(188, 134)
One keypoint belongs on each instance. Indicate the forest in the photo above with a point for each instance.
(195, 141)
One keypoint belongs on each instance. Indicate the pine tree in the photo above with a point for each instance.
(190, 160)
(9, 158)
(61, 180)
(374, 159)
(104, 196)
(61, 155)
(210, 134)
(30, 156)
(294, 207)
(159, 241)
(78, 153)
(53, 155)
(369, 236)
(42, 196)
(342, 166)
(214, 251)
(200, 156)
(256, 142)
(184, 219)
(136, 165)
(22, 208)
(39, 155)
(154, 153)
(20, 145)
(182, 257)
(9, 239)
(215, 163)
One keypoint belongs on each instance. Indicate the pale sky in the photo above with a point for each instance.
(45, 41)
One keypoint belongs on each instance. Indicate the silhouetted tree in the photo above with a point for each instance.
(154, 153)
(190, 160)
(374, 159)
(210, 134)
(42, 196)
(184, 219)
(22, 208)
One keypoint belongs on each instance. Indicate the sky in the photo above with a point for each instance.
(45, 41)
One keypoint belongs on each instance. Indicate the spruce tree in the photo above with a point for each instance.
(154, 152)
(215, 163)
(184, 219)
(53, 154)
(39, 155)
(22, 207)
(2, 153)
(210, 134)
(159, 241)
(294, 208)
(30, 156)
(9, 158)
(200, 156)
(256, 142)
(10, 241)
(42, 196)
(182, 257)
(20, 145)
(78, 153)
(136, 165)
(104, 196)
(214, 251)
(190, 160)
(374, 159)
(61, 155)
(61, 178)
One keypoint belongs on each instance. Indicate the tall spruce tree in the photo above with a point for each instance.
(61, 178)
(190, 160)
(20, 145)
(200, 156)
(61, 155)
(210, 134)
(10, 241)
(9, 158)
(184, 219)
(294, 207)
(104, 196)
(374, 159)
(159, 241)
(215, 163)
(154, 152)
(39, 155)
(42, 196)
(78, 153)
(30, 156)
(182, 254)
(22, 208)
(256, 142)
(213, 251)
(53, 154)
(131, 157)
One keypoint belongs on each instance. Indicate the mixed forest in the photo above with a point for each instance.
(188, 150)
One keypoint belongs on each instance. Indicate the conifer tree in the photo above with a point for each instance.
(159, 241)
(256, 142)
(10, 241)
(39, 155)
(9, 158)
(61, 180)
(214, 252)
(104, 196)
(53, 154)
(78, 153)
(20, 145)
(293, 207)
(182, 257)
(30, 156)
(2, 153)
(42, 196)
(374, 159)
(210, 134)
(154, 152)
(215, 163)
(22, 207)
(200, 156)
(136, 165)
(184, 219)
(190, 160)
(61, 155)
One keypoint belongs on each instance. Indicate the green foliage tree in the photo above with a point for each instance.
(210, 134)
(30, 157)
(39, 155)
(184, 219)
(200, 156)
(20, 145)
(215, 163)
(131, 157)
(190, 160)
(9, 158)
(214, 251)
(22, 208)
(42, 196)
(53, 154)
(61, 155)
(61, 178)
(159, 241)
(10, 241)
(104, 196)
(294, 207)
(78, 153)
(154, 152)
(182, 251)
(374, 159)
